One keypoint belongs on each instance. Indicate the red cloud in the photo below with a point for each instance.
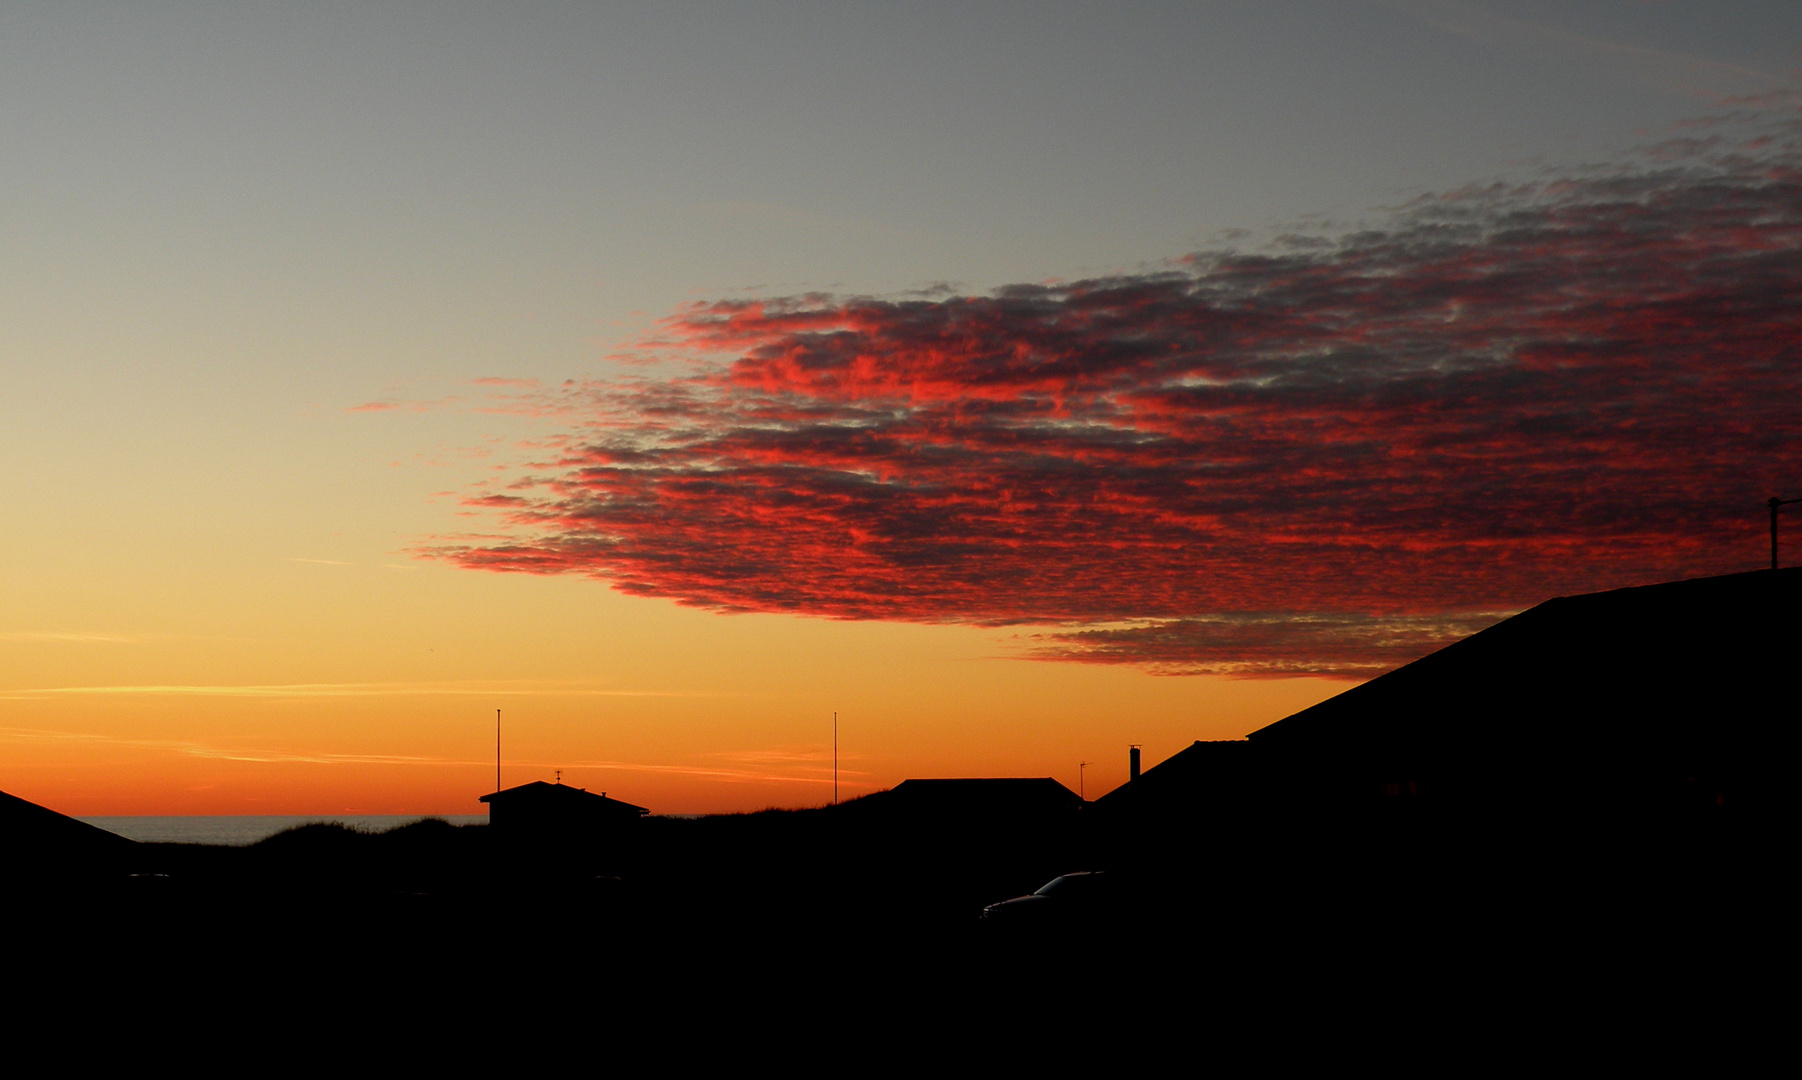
(1269, 463)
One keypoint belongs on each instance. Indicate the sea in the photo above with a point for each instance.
(249, 829)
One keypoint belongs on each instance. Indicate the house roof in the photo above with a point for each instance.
(982, 794)
(1200, 763)
(1671, 668)
(38, 832)
(562, 797)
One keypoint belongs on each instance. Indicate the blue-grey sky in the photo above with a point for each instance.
(492, 185)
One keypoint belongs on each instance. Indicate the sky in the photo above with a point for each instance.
(1016, 381)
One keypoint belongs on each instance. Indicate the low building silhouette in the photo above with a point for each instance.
(973, 801)
(963, 842)
(539, 809)
(968, 821)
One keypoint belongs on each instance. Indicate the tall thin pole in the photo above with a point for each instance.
(497, 749)
(835, 758)
(1774, 502)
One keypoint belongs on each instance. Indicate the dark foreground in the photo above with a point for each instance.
(817, 917)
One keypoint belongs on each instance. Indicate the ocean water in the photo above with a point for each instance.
(248, 829)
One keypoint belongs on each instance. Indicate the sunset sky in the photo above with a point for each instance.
(1019, 381)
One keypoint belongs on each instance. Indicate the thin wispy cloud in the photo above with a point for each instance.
(789, 756)
(65, 637)
(192, 748)
(749, 767)
(398, 405)
(1266, 644)
(309, 690)
(1323, 457)
(752, 775)
(281, 757)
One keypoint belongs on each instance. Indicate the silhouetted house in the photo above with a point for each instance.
(1205, 777)
(1635, 703)
(1672, 694)
(1205, 801)
(972, 820)
(985, 806)
(39, 837)
(985, 799)
(552, 810)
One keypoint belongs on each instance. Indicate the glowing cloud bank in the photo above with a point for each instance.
(1328, 457)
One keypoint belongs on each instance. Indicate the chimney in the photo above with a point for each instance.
(1132, 764)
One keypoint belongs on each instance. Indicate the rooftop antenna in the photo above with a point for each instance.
(1774, 502)
(835, 757)
(1082, 790)
(497, 749)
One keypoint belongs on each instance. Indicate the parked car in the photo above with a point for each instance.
(1070, 898)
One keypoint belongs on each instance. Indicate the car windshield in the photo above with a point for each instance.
(1069, 883)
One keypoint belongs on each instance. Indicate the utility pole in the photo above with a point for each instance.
(835, 757)
(497, 749)
(1774, 502)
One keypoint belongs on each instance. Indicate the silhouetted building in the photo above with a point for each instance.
(979, 799)
(39, 836)
(1204, 777)
(539, 808)
(1673, 695)
(970, 826)
(1634, 704)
